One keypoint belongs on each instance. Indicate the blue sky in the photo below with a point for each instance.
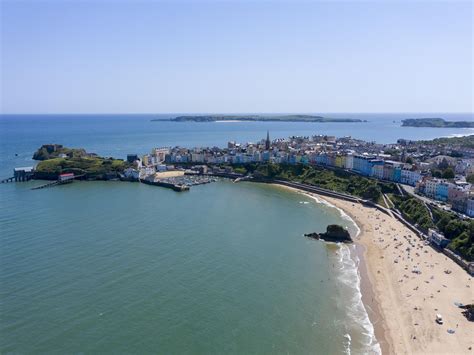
(108, 56)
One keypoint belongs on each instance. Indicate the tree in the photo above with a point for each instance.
(448, 173)
(443, 221)
(436, 173)
(372, 192)
(454, 229)
(444, 164)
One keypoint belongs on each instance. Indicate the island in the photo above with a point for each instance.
(56, 160)
(436, 123)
(260, 118)
(334, 233)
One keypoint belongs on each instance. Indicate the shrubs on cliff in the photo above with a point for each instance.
(414, 210)
(51, 151)
(336, 180)
(460, 232)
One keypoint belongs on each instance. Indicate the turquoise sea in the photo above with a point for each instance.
(115, 267)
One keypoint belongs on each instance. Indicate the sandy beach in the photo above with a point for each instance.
(405, 283)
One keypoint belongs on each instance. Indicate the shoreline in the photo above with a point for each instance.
(366, 288)
(372, 307)
(402, 305)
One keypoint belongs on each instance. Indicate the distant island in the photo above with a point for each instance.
(436, 123)
(282, 118)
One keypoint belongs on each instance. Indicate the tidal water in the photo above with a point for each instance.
(119, 135)
(114, 267)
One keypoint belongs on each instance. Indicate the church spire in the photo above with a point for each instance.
(267, 142)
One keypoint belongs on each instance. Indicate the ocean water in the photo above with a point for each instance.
(115, 267)
(119, 135)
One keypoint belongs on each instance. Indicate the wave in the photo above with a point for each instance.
(458, 135)
(359, 321)
(342, 213)
(349, 278)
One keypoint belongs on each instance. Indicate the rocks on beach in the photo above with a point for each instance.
(334, 233)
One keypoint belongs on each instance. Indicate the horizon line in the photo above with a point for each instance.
(228, 113)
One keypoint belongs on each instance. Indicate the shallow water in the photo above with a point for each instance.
(126, 267)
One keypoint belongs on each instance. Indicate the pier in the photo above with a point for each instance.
(63, 179)
(52, 184)
(175, 187)
(10, 179)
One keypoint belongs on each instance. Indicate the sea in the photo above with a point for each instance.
(120, 267)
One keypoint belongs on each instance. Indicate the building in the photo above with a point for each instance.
(23, 174)
(131, 174)
(441, 193)
(66, 177)
(377, 171)
(456, 193)
(408, 176)
(437, 239)
(470, 207)
(349, 162)
(364, 164)
(267, 141)
(160, 153)
(430, 186)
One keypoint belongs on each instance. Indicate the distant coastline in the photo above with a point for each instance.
(247, 118)
(436, 123)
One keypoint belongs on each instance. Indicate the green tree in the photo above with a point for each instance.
(436, 173)
(448, 173)
(443, 165)
(372, 192)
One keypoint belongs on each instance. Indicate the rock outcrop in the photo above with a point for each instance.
(334, 233)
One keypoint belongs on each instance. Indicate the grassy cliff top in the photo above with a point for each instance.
(56, 160)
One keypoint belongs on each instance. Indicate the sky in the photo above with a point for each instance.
(104, 56)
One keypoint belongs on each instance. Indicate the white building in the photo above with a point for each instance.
(410, 177)
(437, 239)
(377, 171)
(160, 153)
(430, 187)
(349, 162)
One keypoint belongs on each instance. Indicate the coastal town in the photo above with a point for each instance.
(442, 173)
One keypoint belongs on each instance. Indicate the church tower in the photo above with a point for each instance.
(267, 142)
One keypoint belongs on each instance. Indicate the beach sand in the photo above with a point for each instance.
(402, 304)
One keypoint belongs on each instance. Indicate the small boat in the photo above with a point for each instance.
(439, 319)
